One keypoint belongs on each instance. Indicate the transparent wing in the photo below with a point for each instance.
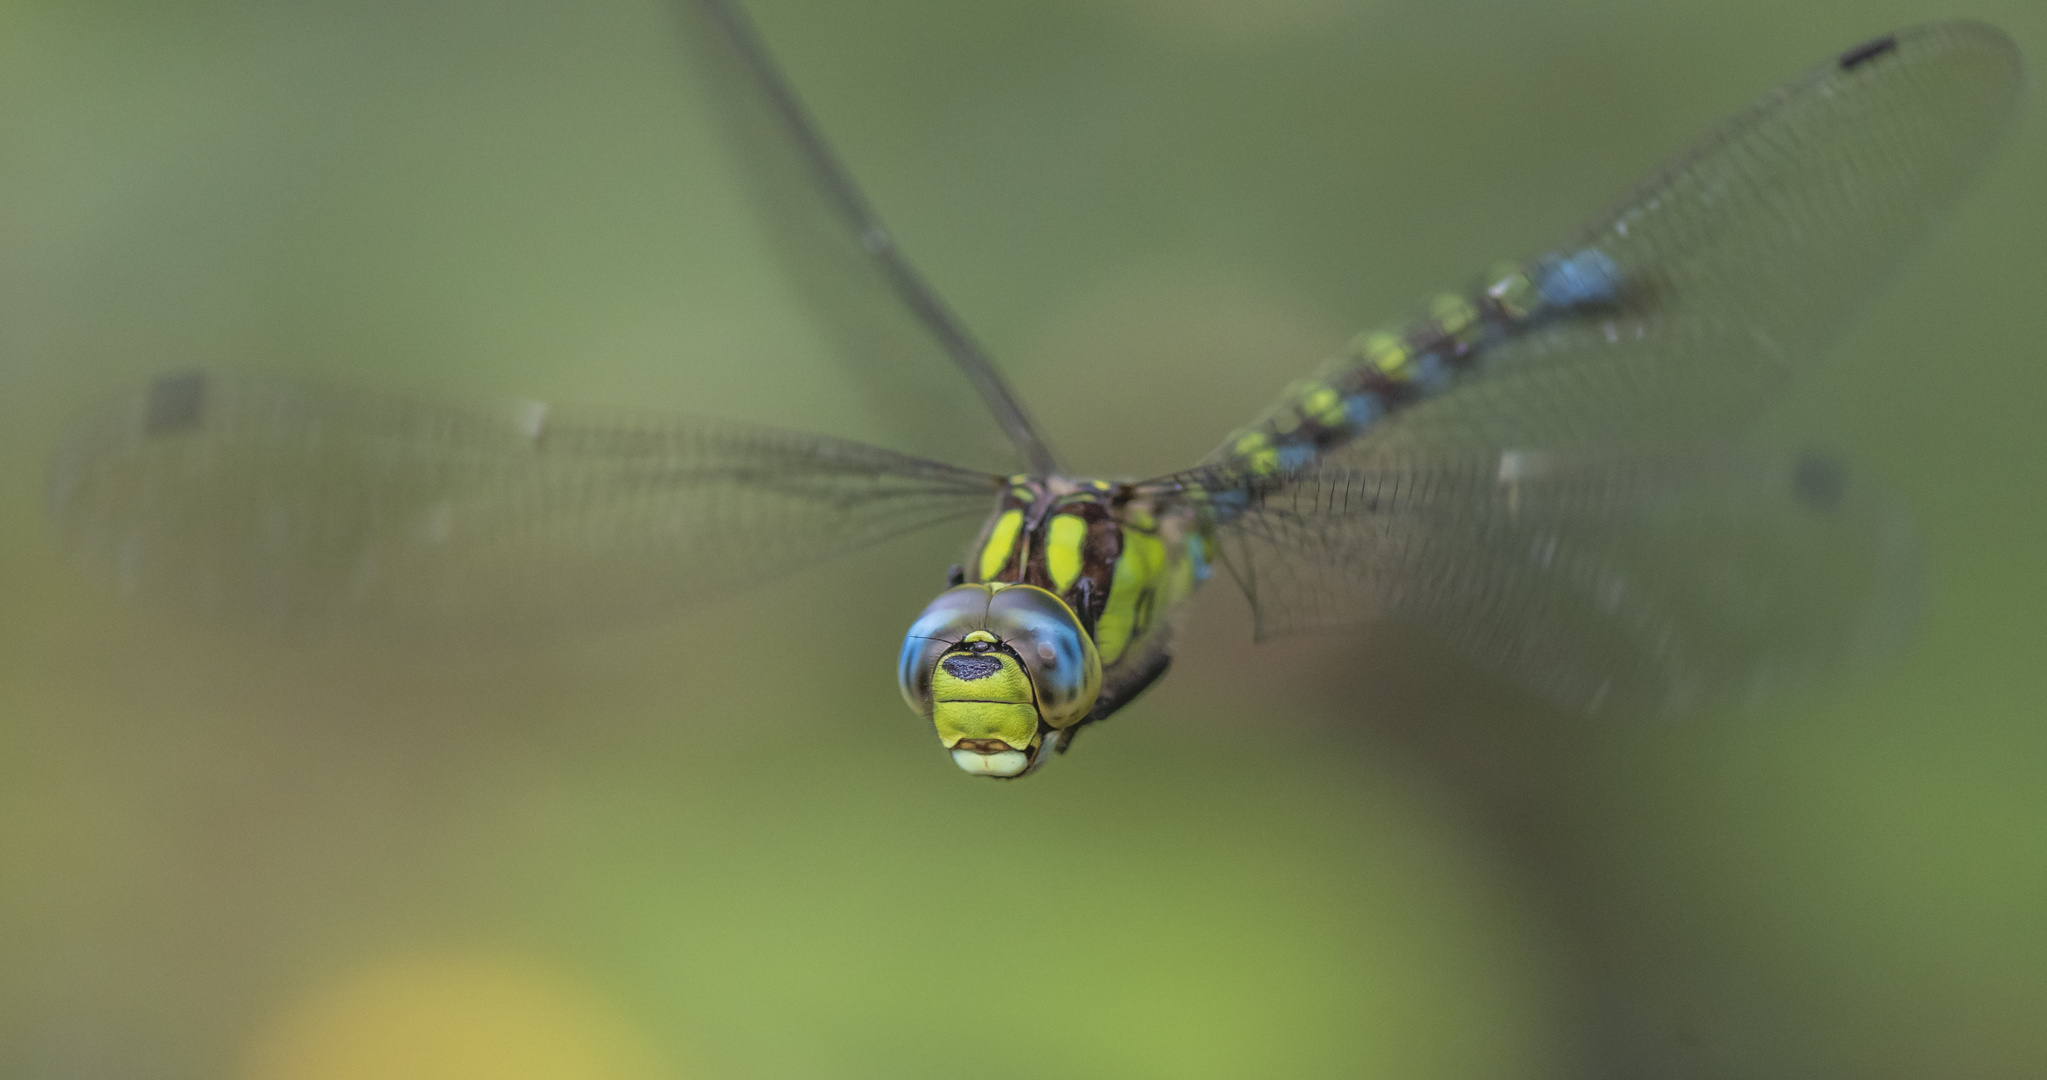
(284, 503)
(1551, 511)
(1679, 312)
(1607, 583)
(857, 284)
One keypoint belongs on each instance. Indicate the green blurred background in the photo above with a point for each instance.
(718, 846)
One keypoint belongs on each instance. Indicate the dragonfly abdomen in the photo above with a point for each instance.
(1384, 371)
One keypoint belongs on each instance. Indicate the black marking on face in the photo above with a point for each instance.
(175, 403)
(968, 668)
(1867, 51)
(1819, 481)
(955, 577)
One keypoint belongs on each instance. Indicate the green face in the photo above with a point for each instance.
(1001, 670)
(984, 706)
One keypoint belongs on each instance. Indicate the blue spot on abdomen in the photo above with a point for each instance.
(1586, 277)
(1361, 410)
(1226, 505)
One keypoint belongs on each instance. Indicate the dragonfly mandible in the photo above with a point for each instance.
(1544, 469)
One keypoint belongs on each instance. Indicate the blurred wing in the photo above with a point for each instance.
(1680, 311)
(1550, 509)
(1616, 583)
(857, 284)
(281, 503)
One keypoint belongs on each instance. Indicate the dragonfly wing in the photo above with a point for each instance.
(864, 293)
(1637, 583)
(1679, 311)
(285, 503)
(1544, 501)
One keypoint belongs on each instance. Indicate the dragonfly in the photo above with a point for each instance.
(1551, 469)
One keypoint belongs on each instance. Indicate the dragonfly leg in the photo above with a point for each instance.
(1121, 690)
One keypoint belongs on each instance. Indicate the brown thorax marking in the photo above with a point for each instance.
(1041, 498)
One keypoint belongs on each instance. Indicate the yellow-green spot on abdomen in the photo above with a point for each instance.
(1512, 290)
(1062, 550)
(1454, 314)
(1257, 452)
(1385, 352)
(1325, 405)
(1001, 539)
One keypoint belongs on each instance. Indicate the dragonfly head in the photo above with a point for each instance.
(1002, 671)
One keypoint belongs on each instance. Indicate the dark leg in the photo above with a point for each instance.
(1122, 691)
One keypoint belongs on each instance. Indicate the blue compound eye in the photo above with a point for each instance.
(948, 620)
(1061, 658)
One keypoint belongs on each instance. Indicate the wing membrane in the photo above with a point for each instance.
(1616, 583)
(1744, 256)
(1562, 506)
(857, 283)
(283, 503)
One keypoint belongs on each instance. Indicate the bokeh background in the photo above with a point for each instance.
(637, 857)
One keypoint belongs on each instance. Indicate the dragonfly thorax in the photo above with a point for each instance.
(1060, 619)
(1061, 535)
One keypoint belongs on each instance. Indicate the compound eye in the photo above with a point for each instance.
(957, 612)
(1043, 632)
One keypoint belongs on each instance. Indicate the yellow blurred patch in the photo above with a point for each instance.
(1001, 539)
(1062, 550)
(453, 1018)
